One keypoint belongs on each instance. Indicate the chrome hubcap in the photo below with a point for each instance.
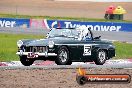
(63, 56)
(102, 56)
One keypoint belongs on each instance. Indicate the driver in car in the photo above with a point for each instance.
(85, 34)
(87, 37)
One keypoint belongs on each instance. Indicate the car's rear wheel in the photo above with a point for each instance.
(63, 57)
(101, 57)
(25, 61)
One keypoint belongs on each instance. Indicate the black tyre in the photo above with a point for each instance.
(81, 80)
(63, 57)
(101, 57)
(25, 61)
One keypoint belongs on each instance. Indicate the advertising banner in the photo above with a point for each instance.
(97, 26)
(46, 24)
(12, 22)
(38, 23)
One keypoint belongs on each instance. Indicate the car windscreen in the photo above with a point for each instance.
(63, 33)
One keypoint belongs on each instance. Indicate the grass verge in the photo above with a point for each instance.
(8, 47)
(60, 18)
(123, 50)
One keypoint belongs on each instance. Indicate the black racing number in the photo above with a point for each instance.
(87, 50)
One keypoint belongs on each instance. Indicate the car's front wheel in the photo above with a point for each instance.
(25, 61)
(63, 57)
(100, 57)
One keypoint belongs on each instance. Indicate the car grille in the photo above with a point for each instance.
(36, 49)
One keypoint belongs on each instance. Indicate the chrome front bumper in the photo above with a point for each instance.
(36, 53)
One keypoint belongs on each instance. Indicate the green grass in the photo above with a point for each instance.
(60, 18)
(123, 50)
(8, 47)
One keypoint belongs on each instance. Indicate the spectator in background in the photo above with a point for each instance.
(118, 13)
(109, 12)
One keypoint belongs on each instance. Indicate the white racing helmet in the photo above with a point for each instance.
(83, 32)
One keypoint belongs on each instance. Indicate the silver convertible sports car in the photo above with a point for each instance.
(64, 46)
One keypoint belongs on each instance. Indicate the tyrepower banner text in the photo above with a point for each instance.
(97, 26)
(12, 22)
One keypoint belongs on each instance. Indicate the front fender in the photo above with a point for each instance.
(26, 41)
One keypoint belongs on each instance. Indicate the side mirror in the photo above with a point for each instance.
(97, 37)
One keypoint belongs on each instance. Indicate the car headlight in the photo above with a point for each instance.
(19, 43)
(112, 46)
(51, 44)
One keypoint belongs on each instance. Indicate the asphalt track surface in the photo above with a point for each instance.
(113, 66)
(121, 63)
(117, 36)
